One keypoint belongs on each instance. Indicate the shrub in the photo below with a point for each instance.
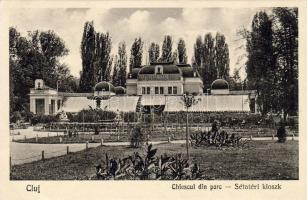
(92, 115)
(137, 137)
(281, 133)
(216, 138)
(44, 119)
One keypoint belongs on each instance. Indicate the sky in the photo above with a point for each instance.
(151, 24)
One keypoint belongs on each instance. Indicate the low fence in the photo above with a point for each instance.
(45, 154)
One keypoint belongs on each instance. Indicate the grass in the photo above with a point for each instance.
(260, 160)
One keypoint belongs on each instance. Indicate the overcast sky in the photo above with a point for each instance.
(124, 24)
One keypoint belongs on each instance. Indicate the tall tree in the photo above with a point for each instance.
(221, 56)
(167, 55)
(136, 54)
(285, 40)
(115, 74)
(122, 63)
(153, 52)
(108, 75)
(182, 54)
(235, 82)
(209, 67)
(198, 51)
(87, 80)
(175, 57)
(260, 66)
(102, 55)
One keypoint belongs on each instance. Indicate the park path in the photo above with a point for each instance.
(28, 152)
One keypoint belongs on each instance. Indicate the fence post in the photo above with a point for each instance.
(273, 136)
(61, 139)
(101, 141)
(292, 136)
(251, 137)
(24, 137)
(67, 149)
(43, 155)
(48, 134)
(36, 138)
(86, 147)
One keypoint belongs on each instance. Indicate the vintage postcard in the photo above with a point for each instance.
(135, 100)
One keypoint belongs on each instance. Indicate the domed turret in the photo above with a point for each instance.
(104, 86)
(104, 89)
(219, 86)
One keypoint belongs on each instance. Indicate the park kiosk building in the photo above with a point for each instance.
(158, 86)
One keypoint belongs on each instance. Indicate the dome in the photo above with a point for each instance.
(104, 86)
(120, 90)
(219, 84)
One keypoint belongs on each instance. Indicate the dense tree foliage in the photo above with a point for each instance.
(235, 82)
(259, 66)
(167, 55)
(87, 80)
(115, 74)
(211, 58)
(36, 56)
(122, 65)
(136, 53)
(272, 65)
(182, 52)
(153, 52)
(285, 44)
(209, 67)
(221, 56)
(95, 54)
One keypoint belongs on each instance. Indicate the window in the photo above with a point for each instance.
(170, 90)
(38, 85)
(175, 90)
(148, 90)
(161, 90)
(143, 90)
(156, 90)
(158, 69)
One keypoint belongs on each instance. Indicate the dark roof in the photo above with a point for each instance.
(167, 69)
(183, 65)
(188, 71)
(134, 73)
(104, 86)
(219, 84)
(120, 90)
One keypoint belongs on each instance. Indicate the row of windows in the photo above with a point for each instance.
(160, 90)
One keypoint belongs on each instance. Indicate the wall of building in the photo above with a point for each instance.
(131, 87)
(193, 85)
(164, 84)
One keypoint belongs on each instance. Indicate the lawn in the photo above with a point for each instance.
(260, 160)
